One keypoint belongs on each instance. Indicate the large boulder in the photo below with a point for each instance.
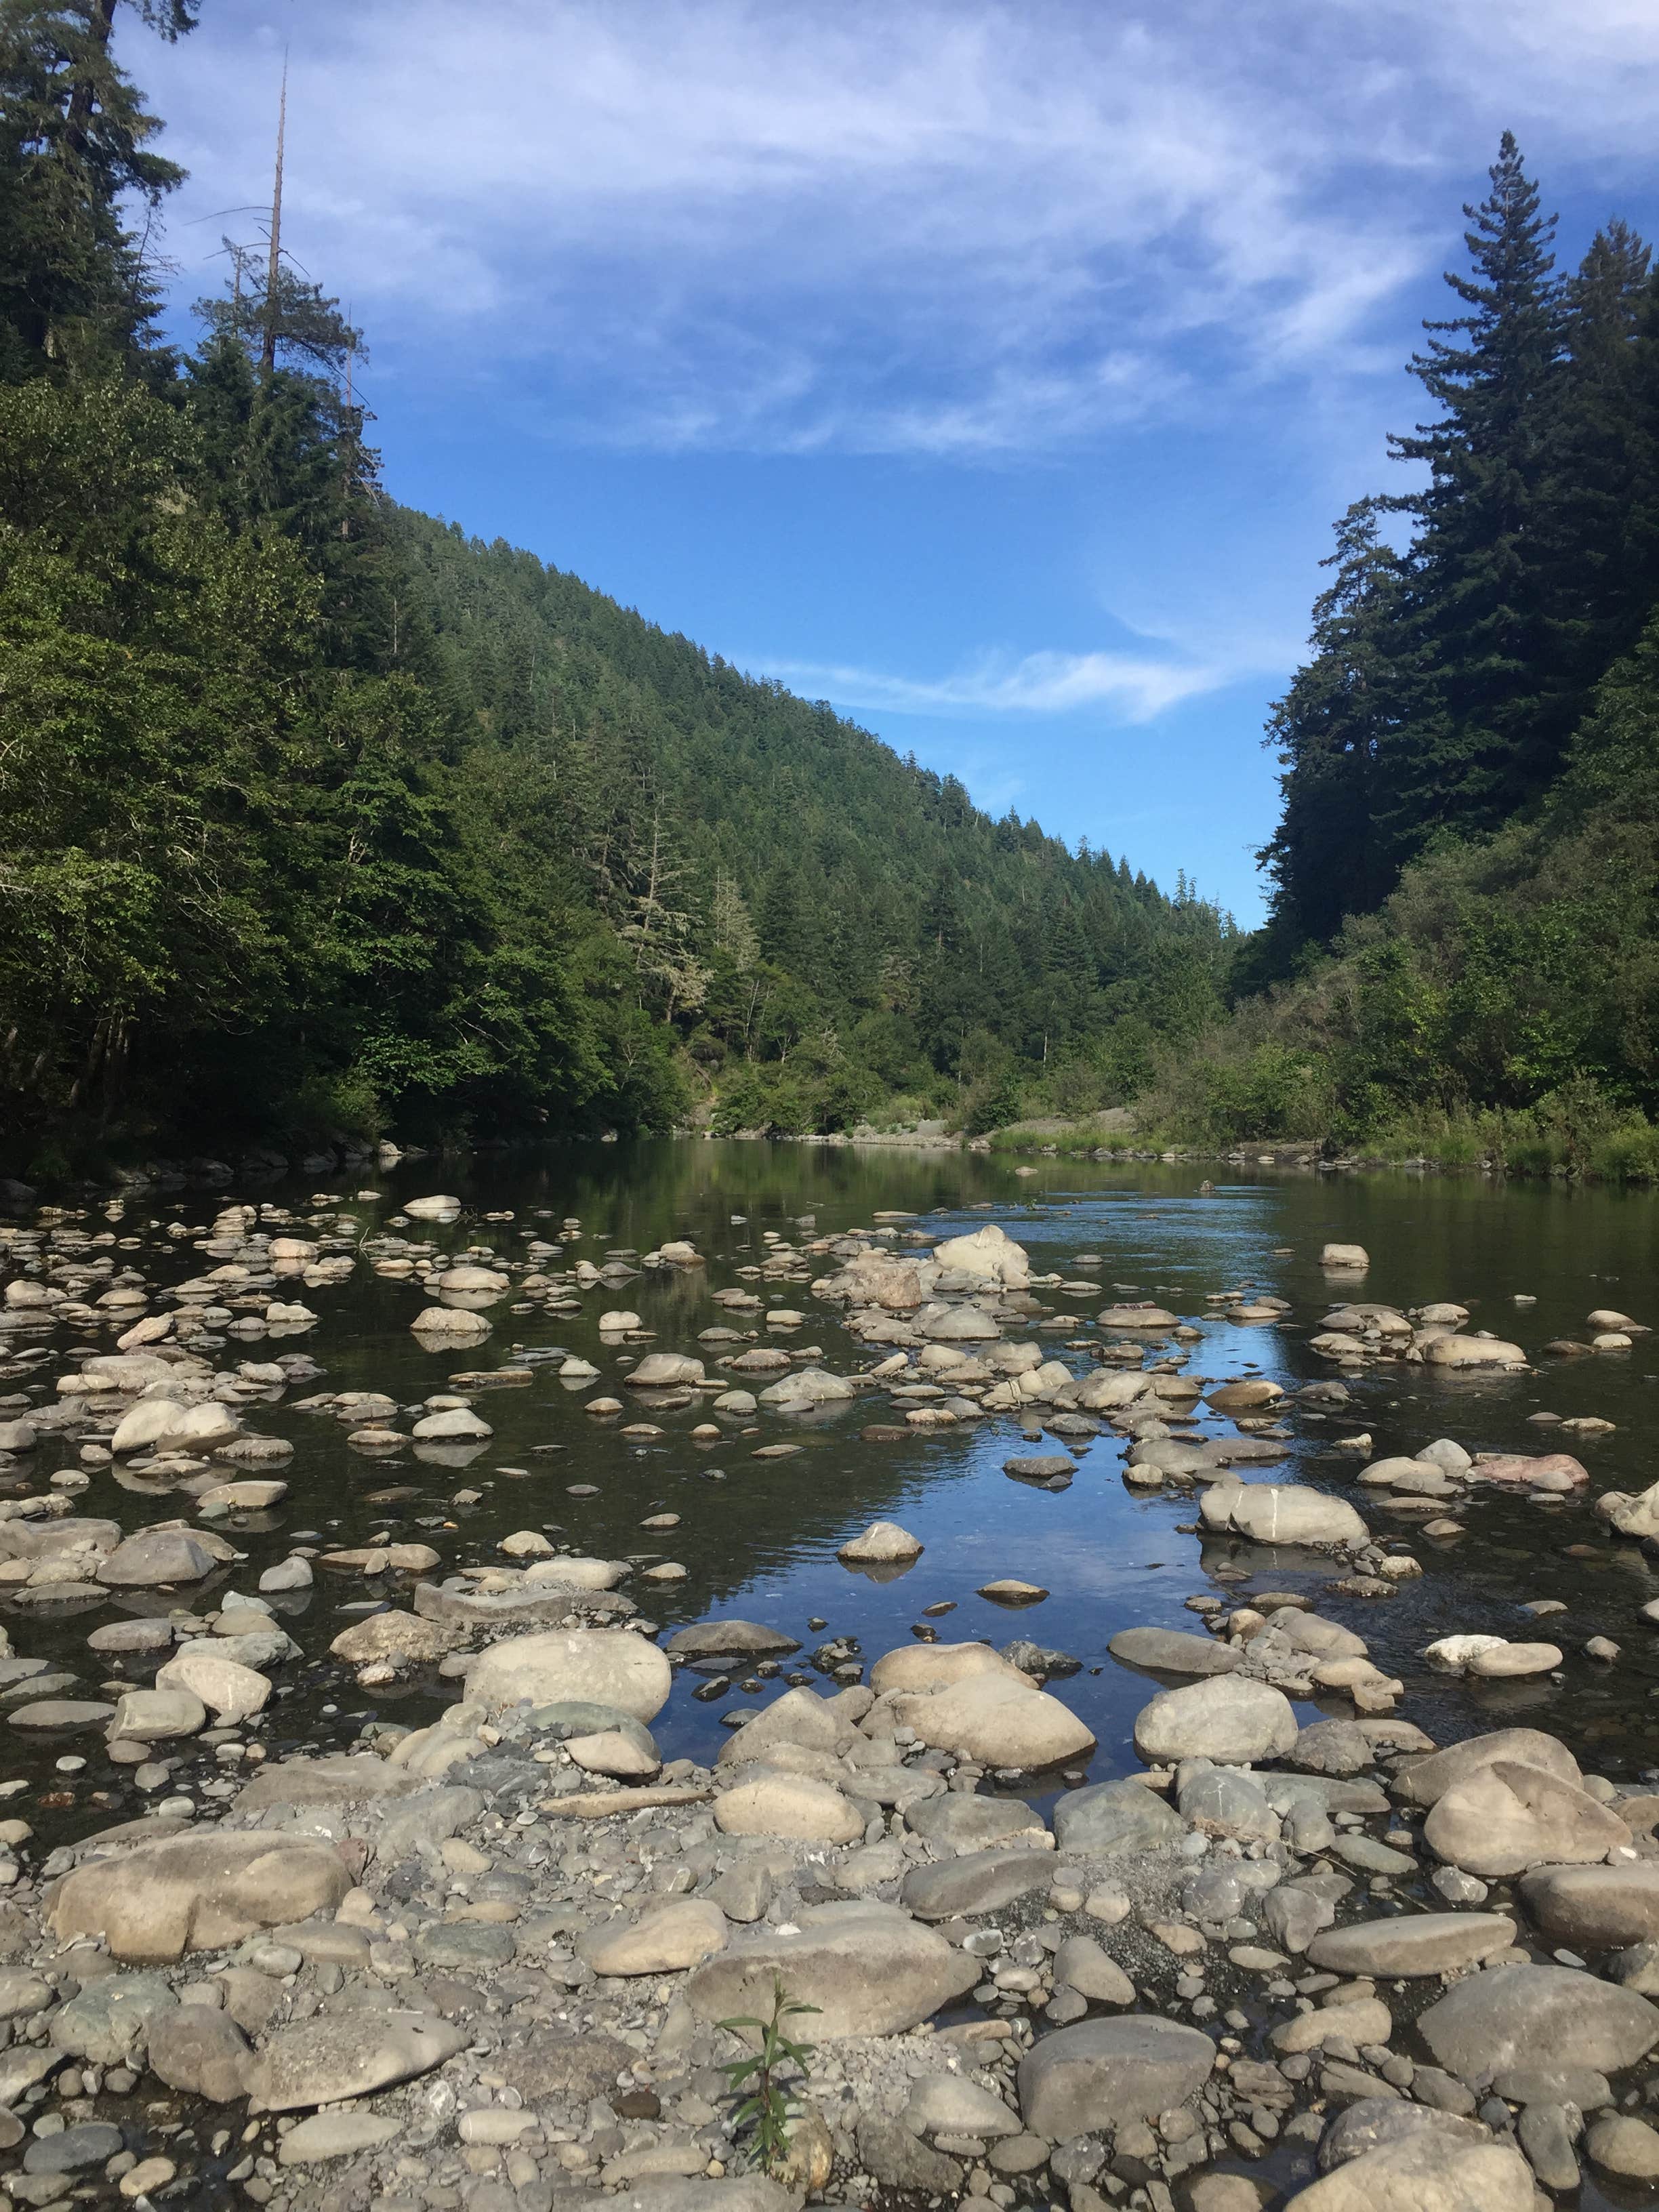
(601, 1666)
(1114, 1817)
(1425, 2172)
(1229, 1719)
(196, 1892)
(883, 1544)
(1103, 2072)
(1595, 1908)
(988, 1255)
(1506, 1817)
(870, 1969)
(1412, 1943)
(664, 1371)
(737, 1639)
(348, 2054)
(998, 1719)
(232, 1691)
(1465, 1352)
(157, 1556)
(934, 1666)
(1282, 1513)
(1425, 1781)
(1633, 1514)
(809, 1386)
(1524, 2016)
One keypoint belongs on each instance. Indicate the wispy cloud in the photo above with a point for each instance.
(953, 230)
(1130, 688)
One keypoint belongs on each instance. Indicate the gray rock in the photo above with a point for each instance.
(349, 2054)
(1220, 1801)
(1375, 2123)
(1080, 1964)
(1229, 1719)
(892, 2155)
(1424, 2173)
(337, 2135)
(1041, 1467)
(1103, 2072)
(200, 2049)
(1595, 1908)
(1293, 1915)
(946, 2105)
(1113, 1817)
(1425, 1781)
(1512, 2016)
(719, 1639)
(156, 1556)
(1174, 1651)
(93, 2142)
(979, 1881)
(962, 1822)
(870, 1969)
(1411, 1944)
(110, 2020)
(1554, 2085)
(1624, 2146)
(1336, 1748)
(461, 1945)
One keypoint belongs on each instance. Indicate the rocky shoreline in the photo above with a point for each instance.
(485, 1963)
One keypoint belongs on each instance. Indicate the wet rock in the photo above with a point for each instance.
(884, 1543)
(1624, 2146)
(607, 1665)
(235, 1693)
(1001, 1719)
(1103, 2072)
(196, 1892)
(1282, 1513)
(719, 1639)
(1229, 1719)
(157, 1556)
(351, 2054)
(1511, 2017)
(1411, 1944)
(1172, 1651)
(1111, 1817)
(1473, 1352)
(93, 2142)
(149, 1716)
(870, 1969)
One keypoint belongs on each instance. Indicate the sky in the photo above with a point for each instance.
(994, 372)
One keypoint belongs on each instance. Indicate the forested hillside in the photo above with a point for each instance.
(316, 814)
(1464, 945)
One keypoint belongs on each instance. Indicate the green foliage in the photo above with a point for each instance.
(767, 2106)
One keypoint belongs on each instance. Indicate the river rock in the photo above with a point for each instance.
(1174, 1651)
(149, 1716)
(235, 1693)
(1229, 1719)
(1473, 1352)
(1114, 1817)
(605, 1666)
(1623, 2145)
(946, 2105)
(884, 1543)
(1632, 1514)
(337, 2135)
(1282, 1513)
(1377, 2123)
(200, 2049)
(719, 1639)
(111, 2019)
(1506, 1817)
(348, 2054)
(157, 1556)
(1425, 1781)
(403, 1639)
(935, 1665)
(988, 1255)
(1344, 1259)
(1103, 2072)
(664, 1371)
(1425, 2172)
(446, 1328)
(998, 1719)
(198, 1892)
(1411, 1944)
(962, 1821)
(772, 1803)
(664, 1941)
(979, 1881)
(869, 1968)
(1595, 1908)
(1534, 2016)
(1080, 1964)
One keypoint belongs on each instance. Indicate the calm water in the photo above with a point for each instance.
(758, 1537)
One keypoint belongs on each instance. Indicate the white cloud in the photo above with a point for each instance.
(1131, 688)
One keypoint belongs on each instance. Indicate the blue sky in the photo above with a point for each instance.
(994, 372)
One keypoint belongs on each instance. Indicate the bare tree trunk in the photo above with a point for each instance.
(274, 265)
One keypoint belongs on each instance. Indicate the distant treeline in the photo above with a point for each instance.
(317, 815)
